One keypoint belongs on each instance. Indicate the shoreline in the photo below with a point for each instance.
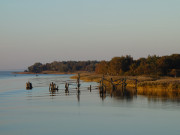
(45, 72)
(168, 87)
(146, 85)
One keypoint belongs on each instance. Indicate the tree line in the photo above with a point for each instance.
(152, 65)
(124, 65)
(64, 66)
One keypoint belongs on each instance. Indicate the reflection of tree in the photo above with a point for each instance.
(53, 92)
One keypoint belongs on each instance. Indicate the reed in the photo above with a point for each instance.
(150, 86)
(160, 88)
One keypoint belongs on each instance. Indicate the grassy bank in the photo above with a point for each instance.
(164, 87)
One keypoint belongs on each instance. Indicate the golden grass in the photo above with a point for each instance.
(88, 77)
(161, 87)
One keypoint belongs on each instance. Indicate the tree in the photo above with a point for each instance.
(36, 68)
(102, 67)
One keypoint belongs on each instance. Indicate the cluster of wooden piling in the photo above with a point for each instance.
(115, 85)
(52, 86)
(120, 83)
(29, 85)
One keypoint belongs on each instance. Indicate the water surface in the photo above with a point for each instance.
(39, 111)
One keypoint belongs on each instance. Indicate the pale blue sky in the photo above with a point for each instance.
(48, 30)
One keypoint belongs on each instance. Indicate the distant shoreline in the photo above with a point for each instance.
(53, 72)
(45, 72)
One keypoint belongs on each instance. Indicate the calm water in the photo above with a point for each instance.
(41, 112)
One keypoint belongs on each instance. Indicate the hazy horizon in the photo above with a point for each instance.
(46, 31)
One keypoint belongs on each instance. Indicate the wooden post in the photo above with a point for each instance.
(122, 82)
(29, 85)
(102, 88)
(78, 81)
(112, 85)
(125, 86)
(136, 85)
(66, 87)
(90, 88)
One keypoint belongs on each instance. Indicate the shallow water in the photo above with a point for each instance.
(39, 111)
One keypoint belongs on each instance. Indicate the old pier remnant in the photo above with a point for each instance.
(114, 85)
(78, 83)
(52, 86)
(66, 87)
(29, 85)
(102, 88)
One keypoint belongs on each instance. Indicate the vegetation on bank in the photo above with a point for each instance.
(149, 86)
(64, 66)
(151, 66)
(117, 66)
(150, 72)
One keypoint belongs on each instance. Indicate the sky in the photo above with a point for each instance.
(60, 30)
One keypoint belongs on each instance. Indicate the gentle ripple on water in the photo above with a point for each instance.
(40, 111)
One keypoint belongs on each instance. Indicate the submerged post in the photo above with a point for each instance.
(29, 85)
(53, 86)
(136, 81)
(66, 87)
(102, 84)
(90, 88)
(112, 85)
(78, 81)
(122, 83)
(124, 86)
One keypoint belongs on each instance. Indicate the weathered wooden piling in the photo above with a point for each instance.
(124, 84)
(52, 86)
(66, 87)
(102, 87)
(90, 88)
(78, 97)
(136, 83)
(29, 85)
(113, 87)
(78, 81)
(102, 84)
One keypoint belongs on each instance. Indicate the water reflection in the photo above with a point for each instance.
(78, 95)
(102, 95)
(163, 99)
(53, 92)
(66, 92)
(128, 94)
(29, 94)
